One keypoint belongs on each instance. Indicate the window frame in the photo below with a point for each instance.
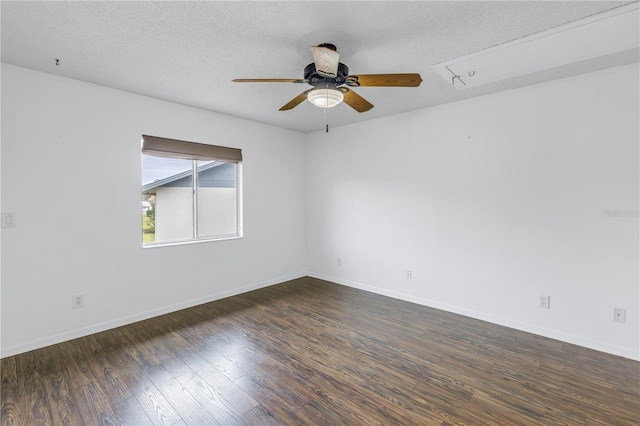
(195, 179)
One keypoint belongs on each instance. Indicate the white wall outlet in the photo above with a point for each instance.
(619, 315)
(408, 274)
(544, 301)
(77, 301)
(339, 261)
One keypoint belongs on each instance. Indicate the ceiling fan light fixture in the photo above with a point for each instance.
(325, 98)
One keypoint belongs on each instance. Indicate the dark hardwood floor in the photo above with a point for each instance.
(316, 353)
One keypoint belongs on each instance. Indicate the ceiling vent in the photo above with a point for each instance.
(602, 34)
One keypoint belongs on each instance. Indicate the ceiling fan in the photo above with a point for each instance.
(327, 76)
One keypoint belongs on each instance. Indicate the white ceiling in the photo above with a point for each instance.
(188, 52)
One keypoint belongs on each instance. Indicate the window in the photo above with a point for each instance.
(190, 191)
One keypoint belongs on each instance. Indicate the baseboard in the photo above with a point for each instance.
(107, 325)
(530, 328)
(494, 319)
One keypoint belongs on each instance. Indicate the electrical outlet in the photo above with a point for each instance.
(619, 315)
(339, 261)
(544, 301)
(409, 274)
(77, 301)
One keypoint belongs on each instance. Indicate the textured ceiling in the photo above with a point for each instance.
(188, 52)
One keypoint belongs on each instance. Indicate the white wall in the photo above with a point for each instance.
(490, 202)
(71, 173)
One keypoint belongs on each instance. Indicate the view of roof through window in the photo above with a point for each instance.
(157, 168)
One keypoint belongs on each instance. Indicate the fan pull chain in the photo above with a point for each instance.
(327, 120)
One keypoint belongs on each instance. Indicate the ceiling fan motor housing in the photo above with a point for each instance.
(315, 79)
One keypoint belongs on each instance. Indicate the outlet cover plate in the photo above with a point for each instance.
(77, 301)
(544, 301)
(619, 315)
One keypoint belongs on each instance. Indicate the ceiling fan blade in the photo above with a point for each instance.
(356, 101)
(295, 101)
(326, 59)
(269, 80)
(387, 80)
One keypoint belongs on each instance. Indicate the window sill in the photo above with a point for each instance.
(190, 241)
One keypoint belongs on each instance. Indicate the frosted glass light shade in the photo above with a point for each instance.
(325, 98)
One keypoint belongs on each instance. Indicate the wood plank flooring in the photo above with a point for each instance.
(316, 353)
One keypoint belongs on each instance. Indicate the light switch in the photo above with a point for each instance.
(8, 220)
